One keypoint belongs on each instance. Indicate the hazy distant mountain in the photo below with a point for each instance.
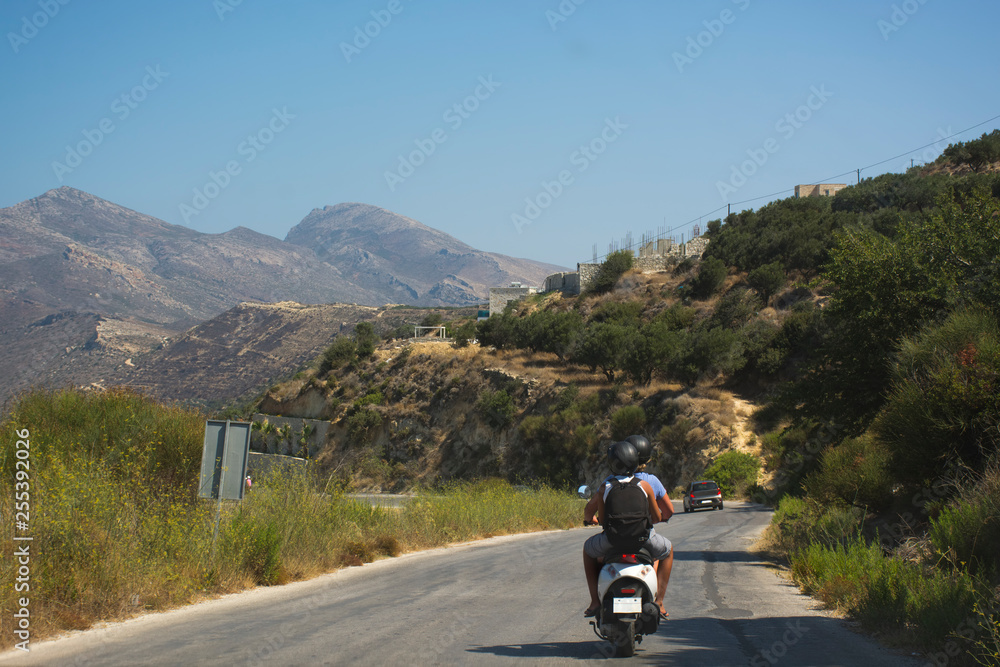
(417, 264)
(86, 284)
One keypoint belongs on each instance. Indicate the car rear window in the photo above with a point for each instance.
(704, 486)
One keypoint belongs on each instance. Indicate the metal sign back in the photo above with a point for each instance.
(224, 459)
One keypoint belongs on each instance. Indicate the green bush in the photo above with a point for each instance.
(341, 351)
(944, 404)
(857, 471)
(465, 333)
(497, 407)
(612, 268)
(361, 424)
(365, 339)
(799, 522)
(886, 593)
(711, 274)
(735, 472)
(967, 531)
(767, 280)
(627, 420)
(256, 547)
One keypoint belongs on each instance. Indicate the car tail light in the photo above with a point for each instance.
(628, 591)
(692, 495)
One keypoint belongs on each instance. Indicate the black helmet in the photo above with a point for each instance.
(623, 458)
(643, 446)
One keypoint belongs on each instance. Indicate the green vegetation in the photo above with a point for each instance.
(497, 407)
(612, 268)
(735, 473)
(118, 528)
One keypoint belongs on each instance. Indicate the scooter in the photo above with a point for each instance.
(626, 587)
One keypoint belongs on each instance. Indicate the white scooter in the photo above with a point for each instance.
(626, 587)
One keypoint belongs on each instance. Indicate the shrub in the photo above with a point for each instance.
(886, 593)
(612, 268)
(497, 407)
(799, 522)
(341, 351)
(766, 280)
(711, 274)
(365, 339)
(857, 472)
(967, 532)
(361, 423)
(944, 404)
(626, 421)
(734, 472)
(465, 333)
(256, 547)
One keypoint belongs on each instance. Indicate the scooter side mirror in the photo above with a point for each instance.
(584, 492)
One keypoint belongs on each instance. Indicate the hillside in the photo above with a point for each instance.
(423, 412)
(236, 355)
(406, 260)
(836, 357)
(86, 284)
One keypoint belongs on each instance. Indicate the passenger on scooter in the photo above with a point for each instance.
(645, 449)
(623, 459)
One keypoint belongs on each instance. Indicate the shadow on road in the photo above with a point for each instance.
(792, 640)
(724, 557)
(591, 650)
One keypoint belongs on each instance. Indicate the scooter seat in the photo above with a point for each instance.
(640, 557)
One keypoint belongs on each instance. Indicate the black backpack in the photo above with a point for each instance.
(626, 516)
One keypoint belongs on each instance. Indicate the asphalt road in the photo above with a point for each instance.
(509, 600)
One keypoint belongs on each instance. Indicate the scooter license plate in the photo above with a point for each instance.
(627, 606)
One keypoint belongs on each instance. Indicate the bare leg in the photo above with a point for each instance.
(662, 578)
(592, 568)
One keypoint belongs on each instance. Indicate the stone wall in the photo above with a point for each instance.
(271, 444)
(501, 296)
(819, 189)
(568, 281)
(655, 256)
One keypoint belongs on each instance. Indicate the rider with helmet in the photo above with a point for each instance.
(645, 449)
(623, 459)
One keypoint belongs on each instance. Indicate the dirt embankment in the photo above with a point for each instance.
(433, 421)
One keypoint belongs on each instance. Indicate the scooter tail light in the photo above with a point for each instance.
(628, 591)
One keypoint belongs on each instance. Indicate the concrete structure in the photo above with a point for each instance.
(501, 296)
(819, 190)
(293, 446)
(568, 282)
(658, 255)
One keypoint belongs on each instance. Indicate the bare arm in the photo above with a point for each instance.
(654, 511)
(592, 508)
(666, 508)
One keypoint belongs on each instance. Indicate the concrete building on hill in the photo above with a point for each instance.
(501, 296)
(819, 189)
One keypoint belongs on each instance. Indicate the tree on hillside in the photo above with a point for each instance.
(365, 339)
(766, 280)
(612, 268)
(602, 345)
(887, 289)
(340, 352)
(711, 274)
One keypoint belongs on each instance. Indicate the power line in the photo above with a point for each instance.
(825, 180)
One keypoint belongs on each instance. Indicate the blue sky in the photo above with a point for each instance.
(575, 123)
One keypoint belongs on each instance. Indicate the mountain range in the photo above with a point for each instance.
(80, 275)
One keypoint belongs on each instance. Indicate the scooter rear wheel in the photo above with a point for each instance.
(623, 638)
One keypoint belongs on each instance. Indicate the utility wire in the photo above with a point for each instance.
(825, 180)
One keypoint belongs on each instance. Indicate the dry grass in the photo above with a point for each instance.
(117, 529)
